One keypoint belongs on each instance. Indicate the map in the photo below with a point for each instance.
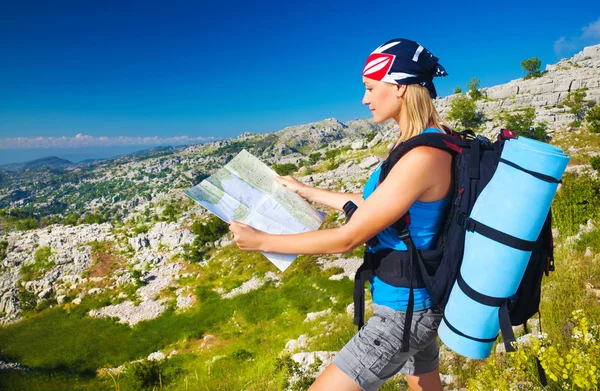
(244, 190)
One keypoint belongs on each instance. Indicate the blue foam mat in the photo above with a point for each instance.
(513, 202)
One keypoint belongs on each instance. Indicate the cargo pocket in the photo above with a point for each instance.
(425, 327)
(385, 344)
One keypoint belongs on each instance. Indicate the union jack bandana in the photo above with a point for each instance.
(402, 61)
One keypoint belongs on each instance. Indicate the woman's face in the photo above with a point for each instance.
(384, 99)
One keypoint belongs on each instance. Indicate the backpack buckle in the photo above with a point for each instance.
(467, 223)
(405, 234)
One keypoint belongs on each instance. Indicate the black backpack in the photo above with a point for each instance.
(475, 159)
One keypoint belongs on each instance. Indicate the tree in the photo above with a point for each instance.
(532, 67)
(592, 120)
(457, 90)
(473, 87)
(463, 110)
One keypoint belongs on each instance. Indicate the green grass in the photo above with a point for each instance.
(64, 347)
(41, 264)
(60, 345)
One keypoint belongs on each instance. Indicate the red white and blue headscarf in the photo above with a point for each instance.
(402, 61)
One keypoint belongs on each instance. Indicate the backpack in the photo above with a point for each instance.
(475, 159)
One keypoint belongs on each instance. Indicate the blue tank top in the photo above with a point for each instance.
(425, 221)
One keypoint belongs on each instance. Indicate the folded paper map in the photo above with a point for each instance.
(244, 190)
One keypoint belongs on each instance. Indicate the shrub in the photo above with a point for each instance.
(457, 90)
(41, 263)
(521, 123)
(141, 229)
(27, 224)
(532, 67)
(473, 87)
(206, 232)
(143, 375)
(301, 380)
(71, 219)
(242, 355)
(27, 300)
(314, 157)
(463, 110)
(370, 136)
(42, 254)
(285, 169)
(577, 201)
(575, 101)
(92, 218)
(572, 367)
(539, 132)
(594, 161)
(592, 120)
(170, 213)
(3, 248)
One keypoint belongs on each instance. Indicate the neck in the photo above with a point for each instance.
(402, 122)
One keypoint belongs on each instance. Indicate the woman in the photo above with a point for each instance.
(398, 80)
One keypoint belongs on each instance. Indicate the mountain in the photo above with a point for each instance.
(106, 263)
(50, 162)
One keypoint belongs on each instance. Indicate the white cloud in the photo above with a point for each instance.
(592, 30)
(564, 46)
(590, 35)
(82, 141)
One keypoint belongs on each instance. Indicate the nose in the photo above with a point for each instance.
(366, 100)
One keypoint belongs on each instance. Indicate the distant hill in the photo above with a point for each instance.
(45, 162)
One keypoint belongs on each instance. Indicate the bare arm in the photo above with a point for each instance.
(417, 176)
(332, 199)
(335, 200)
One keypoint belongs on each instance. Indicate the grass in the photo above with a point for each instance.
(41, 264)
(61, 345)
(65, 347)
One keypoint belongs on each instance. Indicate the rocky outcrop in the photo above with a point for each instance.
(71, 255)
(545, 93)
(252, 284)
(149, 307)
(170, 235)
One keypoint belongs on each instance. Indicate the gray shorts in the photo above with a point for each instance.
(374, 354)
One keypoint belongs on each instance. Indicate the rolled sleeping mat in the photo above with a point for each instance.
(515, 202)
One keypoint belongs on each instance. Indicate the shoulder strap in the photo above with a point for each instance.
(452, 143)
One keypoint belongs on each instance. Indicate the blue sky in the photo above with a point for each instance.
(200, 69)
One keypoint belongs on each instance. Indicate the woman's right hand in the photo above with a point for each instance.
(292, 184)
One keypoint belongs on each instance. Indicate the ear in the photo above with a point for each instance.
(401, 90)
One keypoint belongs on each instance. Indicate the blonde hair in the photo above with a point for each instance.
(420, 111)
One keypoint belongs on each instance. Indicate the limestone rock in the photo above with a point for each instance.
(369, 162)
(358, 145)
(315, 315)
(378, 137)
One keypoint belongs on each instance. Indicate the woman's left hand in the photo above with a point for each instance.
(246, 237)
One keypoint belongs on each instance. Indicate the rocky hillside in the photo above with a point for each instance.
(116, 246)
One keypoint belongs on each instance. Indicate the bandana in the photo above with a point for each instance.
(402, 61)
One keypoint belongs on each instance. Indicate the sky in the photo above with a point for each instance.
(122, 73)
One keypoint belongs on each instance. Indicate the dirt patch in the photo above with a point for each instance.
(104, 264)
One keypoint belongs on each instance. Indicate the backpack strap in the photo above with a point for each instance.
(498, 236)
